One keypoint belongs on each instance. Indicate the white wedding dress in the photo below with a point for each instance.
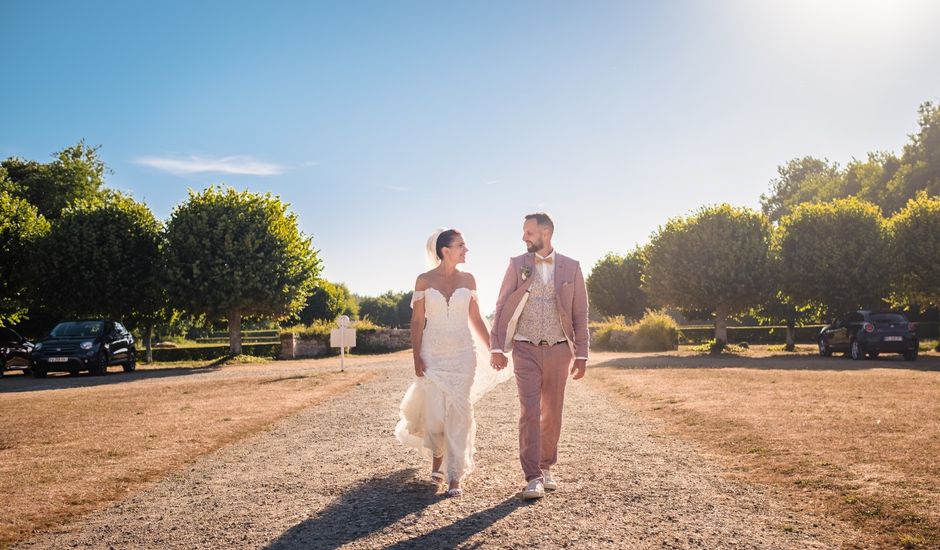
(436, 414)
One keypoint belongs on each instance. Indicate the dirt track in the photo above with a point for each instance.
(334, 476)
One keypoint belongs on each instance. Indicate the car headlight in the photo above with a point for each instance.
(87, 345)
(38, 346)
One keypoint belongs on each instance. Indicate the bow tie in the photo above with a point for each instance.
(548, 260)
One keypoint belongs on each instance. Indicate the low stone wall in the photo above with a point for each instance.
(370, 341)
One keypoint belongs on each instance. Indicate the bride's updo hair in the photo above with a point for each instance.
(444, 240)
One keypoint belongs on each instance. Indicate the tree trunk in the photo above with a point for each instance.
(148, 341)
(235, 332)
(791, 335)
(721, 327)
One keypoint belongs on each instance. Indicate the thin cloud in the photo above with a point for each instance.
(493, 182)
(225, 165)
(398, 188)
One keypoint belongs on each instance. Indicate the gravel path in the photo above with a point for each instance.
(334, 476)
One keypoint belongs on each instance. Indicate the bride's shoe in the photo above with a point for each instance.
(437, 477)
(455, 492)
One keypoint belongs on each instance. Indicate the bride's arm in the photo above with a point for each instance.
(417, 326)
(476, 319)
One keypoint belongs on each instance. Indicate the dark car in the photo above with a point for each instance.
(91, 345)
(870, 332)
(14, 351)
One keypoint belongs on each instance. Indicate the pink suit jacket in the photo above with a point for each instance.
(571, 298)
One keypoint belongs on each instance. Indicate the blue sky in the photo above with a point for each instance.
(380, 121)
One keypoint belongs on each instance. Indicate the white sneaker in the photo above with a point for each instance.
(548, 482)
(533, 490)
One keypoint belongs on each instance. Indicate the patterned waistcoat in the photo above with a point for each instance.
(539, 320)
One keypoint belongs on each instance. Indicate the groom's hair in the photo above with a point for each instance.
(543, 219)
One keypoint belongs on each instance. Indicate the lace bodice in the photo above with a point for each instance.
(447, 320)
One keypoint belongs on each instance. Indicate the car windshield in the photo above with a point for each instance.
(888, 318)
(77, 329)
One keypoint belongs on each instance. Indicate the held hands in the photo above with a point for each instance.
(419, 367)
(578, 369)
(498, 360)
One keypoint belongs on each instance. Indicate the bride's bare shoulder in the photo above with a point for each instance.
(424, 280)
(468, 280)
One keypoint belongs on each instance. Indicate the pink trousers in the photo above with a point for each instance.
(541, 374)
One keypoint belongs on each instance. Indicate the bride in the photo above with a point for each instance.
(453, 372)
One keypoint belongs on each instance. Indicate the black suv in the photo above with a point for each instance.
(91, 345)
(14, 351)
(870, 332)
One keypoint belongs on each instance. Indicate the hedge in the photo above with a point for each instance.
(203, 353)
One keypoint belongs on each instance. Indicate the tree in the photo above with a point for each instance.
(328, 301)
(800, 180)
(834, 254)
(391, 309)
(102, 258)
(76, 173)
(614, 285)
(717, 258)
(233, 254)
(920, 162)
(915, 252)
(21, 225)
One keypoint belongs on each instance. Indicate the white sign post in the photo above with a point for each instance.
(342, 338)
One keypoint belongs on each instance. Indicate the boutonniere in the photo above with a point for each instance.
(525, 271)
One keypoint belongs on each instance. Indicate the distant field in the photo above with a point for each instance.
(858, 440)
(72, 444)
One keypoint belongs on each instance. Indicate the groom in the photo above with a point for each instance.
(542, 318)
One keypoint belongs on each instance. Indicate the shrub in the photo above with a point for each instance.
(656, 331)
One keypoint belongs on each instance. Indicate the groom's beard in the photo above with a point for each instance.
(535, 246)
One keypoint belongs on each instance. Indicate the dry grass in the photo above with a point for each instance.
(69, 445)
(860, 441)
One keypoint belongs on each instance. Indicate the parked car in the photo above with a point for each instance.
(870, 332)
(89, 344)
(14, 351)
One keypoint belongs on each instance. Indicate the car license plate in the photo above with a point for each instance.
(58, 359)
(892, 338)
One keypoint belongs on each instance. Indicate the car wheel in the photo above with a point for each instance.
(824, 349)
(101, 368)
(910, 355)
(874, 354)
(39, 372)
(131, 364)
(855, 351)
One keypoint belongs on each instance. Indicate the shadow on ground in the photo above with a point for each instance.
(59, 381)
(787, 362)
(380, 502)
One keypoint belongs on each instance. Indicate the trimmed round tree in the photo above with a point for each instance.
(915, 252)
(834, 254)
(234, 254)
(21, 225)
(614, 285)
(102, 258)
(716, 259)
(328, 301)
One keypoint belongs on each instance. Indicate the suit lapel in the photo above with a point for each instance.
(559, 273)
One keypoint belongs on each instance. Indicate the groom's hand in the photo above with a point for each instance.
(498, 361)
(578, 369)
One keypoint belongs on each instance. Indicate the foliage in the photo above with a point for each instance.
(102, 259)
(391, 309)
(656, 331)
(614, 285)
(915, 252)
(202, 353)
(21, 226)
(717, 258)
(882, 178)
(232, 254)
(321, 328)
(327, 301)
(77, 172)
(833, 254)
